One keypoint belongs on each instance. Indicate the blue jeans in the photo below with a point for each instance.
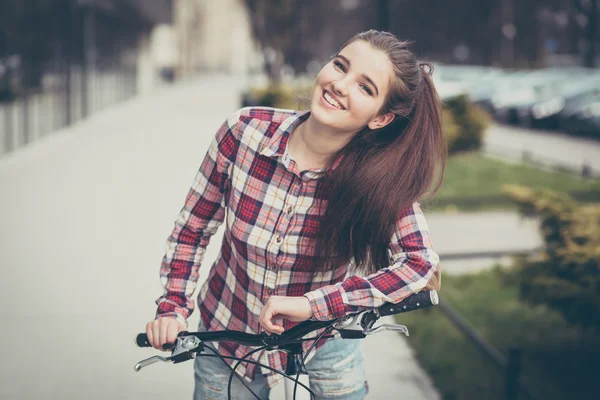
(336, 371)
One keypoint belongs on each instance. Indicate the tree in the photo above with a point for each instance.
(586, 16)
(49, 31)
(566, 276)
(295, 32)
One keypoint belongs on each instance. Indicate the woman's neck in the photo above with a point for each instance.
(316, 144)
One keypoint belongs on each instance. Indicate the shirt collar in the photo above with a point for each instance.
(276, 145)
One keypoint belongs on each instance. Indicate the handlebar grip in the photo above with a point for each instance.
(413, 302)
(142, 341)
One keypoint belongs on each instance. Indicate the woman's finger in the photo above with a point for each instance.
(267, 321)
(163, 332)
(149, 333)
(156, 335)
(172, 331)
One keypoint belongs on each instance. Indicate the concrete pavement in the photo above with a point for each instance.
(551, 148)
(499, 232)
(85, 214)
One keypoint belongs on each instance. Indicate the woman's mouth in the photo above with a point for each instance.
(330, 101)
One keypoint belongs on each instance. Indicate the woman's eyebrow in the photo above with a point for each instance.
(366, 77)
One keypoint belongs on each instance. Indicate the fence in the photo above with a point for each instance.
(80, 57)
(38, 113)
(509, 366)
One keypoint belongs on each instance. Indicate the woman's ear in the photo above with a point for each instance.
(381, 121)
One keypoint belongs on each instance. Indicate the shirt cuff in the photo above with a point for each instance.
(326, 303)
(175, 316)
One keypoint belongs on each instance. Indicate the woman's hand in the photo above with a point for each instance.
(295, 309)
(163, 330)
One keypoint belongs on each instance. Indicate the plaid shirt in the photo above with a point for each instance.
(271, 212)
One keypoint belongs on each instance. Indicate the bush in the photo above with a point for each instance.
(451, 128)
(278, 96)
(471, 121)
(559, 360)
(566, 276)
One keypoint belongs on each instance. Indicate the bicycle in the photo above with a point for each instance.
(190, 345)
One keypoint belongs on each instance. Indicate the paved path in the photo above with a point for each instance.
(545, 146)
(84, 217)
(490, 232)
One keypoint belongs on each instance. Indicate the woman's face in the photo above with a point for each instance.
(350, 90)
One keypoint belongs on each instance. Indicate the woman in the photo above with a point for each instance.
(309, 199)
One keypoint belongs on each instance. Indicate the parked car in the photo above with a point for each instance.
(539, 94)
(479, 83)
(563, 100)
(583, 119)
(516, 91)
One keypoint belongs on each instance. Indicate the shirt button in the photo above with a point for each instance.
(290, 209)
(269, 291)
(278, 239)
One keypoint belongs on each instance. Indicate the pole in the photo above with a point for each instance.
(8, 126)
(513, 370)
(69, 57)
(89, 57)
(383, 15)
(509, 31)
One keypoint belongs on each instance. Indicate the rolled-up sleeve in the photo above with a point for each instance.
(199, 219)
(414, 267)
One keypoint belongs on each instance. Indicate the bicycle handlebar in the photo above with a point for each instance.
(413, 302)
(354, 325)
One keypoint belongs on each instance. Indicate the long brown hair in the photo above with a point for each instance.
(384, 171)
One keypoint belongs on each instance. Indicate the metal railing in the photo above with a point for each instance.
(80, 58)
(509, 366)
(37, 113)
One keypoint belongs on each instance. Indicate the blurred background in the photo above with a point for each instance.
(108, 106)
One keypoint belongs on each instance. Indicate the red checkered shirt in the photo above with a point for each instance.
(271, 212)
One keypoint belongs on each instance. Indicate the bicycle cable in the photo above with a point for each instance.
(325, 332)
(231, 376)
(235, 367)
(312, 394)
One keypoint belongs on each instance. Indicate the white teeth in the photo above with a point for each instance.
(332, 101)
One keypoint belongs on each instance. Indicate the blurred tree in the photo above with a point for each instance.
(508, 33)
(383, 15)
(296, 32)
(586, 18)
(275, 24)
(566, 276)
(47, 33)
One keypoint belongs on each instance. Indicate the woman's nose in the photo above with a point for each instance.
(340, 87)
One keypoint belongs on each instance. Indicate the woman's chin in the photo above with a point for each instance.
(322, 115)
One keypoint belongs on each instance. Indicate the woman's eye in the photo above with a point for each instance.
(366, 89)
(339, 65)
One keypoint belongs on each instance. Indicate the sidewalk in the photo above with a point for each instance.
(85, 215)
(499, 232)
(549, 147)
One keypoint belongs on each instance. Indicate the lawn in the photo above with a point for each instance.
(474, 181)
(557, 362)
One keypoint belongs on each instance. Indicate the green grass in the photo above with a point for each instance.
(556, 363)
(478, 181)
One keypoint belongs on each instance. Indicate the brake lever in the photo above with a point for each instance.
(361, 324)
(186, 348)
(150, 361)
(387, 327)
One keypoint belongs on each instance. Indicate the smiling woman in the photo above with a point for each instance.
(311, 196)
